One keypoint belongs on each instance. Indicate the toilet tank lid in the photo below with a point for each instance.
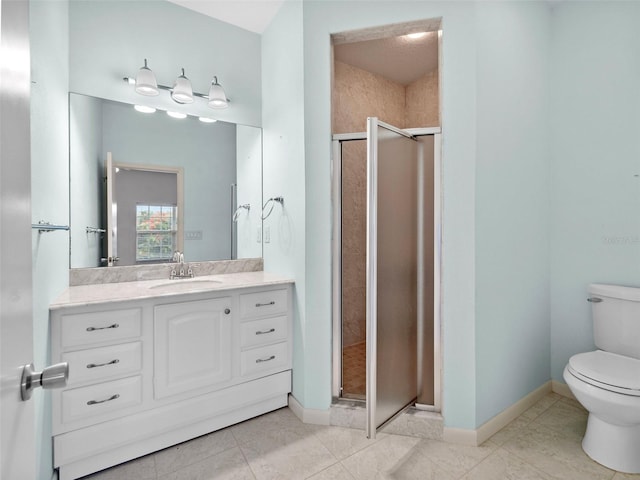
(608, 368)
(615, 291)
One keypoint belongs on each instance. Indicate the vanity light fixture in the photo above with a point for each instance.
(181, 92)
(144, 109)
(217, 97)
(176, 114)
(146, 83)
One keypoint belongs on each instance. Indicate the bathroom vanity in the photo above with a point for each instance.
(155, 363)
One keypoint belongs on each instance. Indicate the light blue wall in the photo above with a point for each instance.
(284, 175)
(595, 118)
(249, 179)
(110, 40)
(49, 191)
(512, 204)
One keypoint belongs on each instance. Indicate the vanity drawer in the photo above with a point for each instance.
(265, 330)
(101, 399)
(97, 363)
(263, 359)
(263, 303)
(97, 327)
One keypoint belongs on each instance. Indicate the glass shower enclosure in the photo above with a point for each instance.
(386, 270)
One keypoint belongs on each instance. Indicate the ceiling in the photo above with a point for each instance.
(400, 59)
(252, 15)
(395, 57)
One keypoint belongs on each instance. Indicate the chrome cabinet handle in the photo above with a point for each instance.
(96, 402)
(260, 360)
(227, 311)
(93, 329)
(263, 332)
(594, 299)
(265, 304)
(94, 365)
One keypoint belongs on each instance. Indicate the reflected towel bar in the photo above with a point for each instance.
(43, 226)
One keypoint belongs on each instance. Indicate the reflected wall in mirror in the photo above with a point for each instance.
(222, 180)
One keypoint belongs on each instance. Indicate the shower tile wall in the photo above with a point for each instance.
(422, 109)
(358, 94)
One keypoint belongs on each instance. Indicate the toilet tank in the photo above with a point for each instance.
(616, 318)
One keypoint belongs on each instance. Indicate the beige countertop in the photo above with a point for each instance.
(117, 292)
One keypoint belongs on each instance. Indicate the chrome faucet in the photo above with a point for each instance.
(181, 272)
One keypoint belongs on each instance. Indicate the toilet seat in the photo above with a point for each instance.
(608, 371)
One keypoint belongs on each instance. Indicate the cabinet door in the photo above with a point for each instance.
(192, 347)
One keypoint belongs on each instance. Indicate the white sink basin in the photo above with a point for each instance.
(186, 285)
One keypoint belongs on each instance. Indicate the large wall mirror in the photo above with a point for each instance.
(175, 184)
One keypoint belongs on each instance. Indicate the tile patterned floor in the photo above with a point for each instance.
(542, 444)
(354, 370)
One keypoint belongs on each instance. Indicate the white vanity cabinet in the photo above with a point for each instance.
(150, 372)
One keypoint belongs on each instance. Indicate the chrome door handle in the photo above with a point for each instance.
(54, 376)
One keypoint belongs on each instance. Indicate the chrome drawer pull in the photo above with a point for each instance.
(94, 365)
(260, 360)
(265, 304)
(594, 299)
(95, 402)
(263, 332)
(92, 329)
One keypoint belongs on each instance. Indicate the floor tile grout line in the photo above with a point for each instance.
(255, 476)
(364, 446)
(542, 411)
(515, 453)
(527, 462)
(479, 463)
(186, 444)
(466, 472)
(325, 468)
(247, 462)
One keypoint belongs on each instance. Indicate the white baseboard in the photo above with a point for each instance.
(309, 415)
(460, 436)
(495, 424)
(562, 389)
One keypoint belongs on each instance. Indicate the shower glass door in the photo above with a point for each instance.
(392, 263)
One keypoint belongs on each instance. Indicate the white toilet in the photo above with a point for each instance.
(607, 382)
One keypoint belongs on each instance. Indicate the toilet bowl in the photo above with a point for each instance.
(607, 381)
(613, 401)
